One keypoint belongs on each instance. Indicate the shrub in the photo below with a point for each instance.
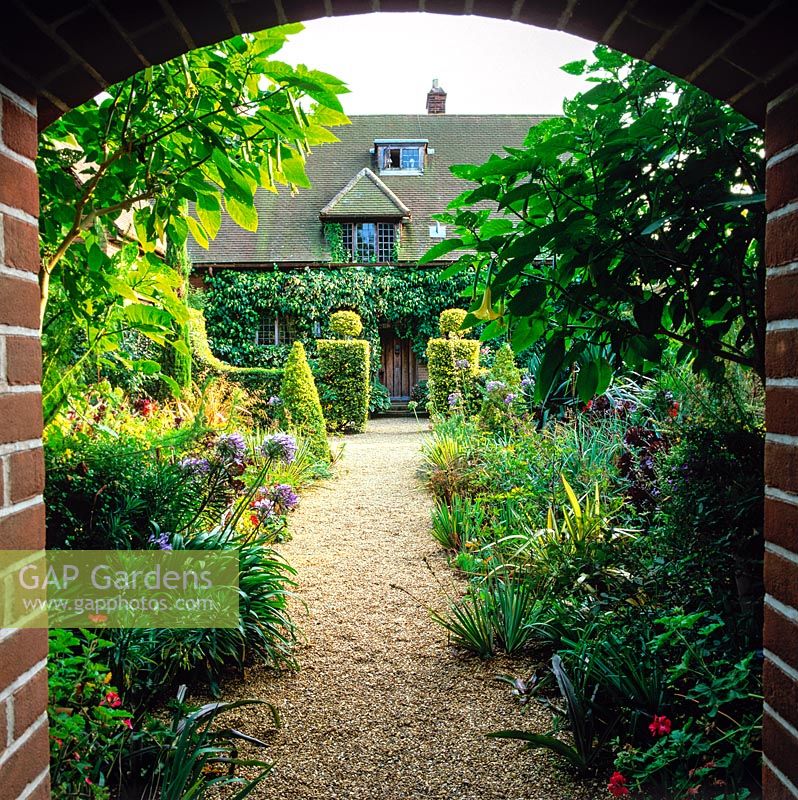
(346, 324)
(453, 365)
(262, 382)
(89, 728)
(419, 394)
(379, 399)
(112, 492)
(503, 395)
(707, 531)
(450, 322)
(301, 405)
(343, 374)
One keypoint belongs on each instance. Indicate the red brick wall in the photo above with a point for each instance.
(781, 452)
(24, 748)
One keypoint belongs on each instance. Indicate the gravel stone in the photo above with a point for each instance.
(382, 708)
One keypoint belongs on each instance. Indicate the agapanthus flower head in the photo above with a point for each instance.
(232, 446)
(264, 507)
(280, 447)
(509, 398)
(274, 401)
(195, 466)
(660, 726)
(162, 540)
(617, 786)
(495, 386)
(284, 495)
(454, 399)
(462, 363)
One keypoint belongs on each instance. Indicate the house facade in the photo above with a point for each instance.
(369, 208)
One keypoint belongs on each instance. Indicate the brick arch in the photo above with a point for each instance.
(55, 54)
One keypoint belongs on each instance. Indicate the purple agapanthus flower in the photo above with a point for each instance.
(162, 541)
(454, 399)
(280, 447)
(509, 399)
(264, 507)
(274, 401)
(527, 381)
(462, 363)
(195, 466)
(231, 446)
(285, 496)
(495, 386)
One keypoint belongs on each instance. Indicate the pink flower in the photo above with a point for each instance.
(128, 724)
(617, 785)
(112, 700)
(660, 726)
(89, 781)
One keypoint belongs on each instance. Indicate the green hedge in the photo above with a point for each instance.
(450, 321)
(261, 382)
(346, 324)
(445, 377)
(301, 406)
(344, 383)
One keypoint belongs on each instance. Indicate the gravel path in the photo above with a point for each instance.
(382, 707)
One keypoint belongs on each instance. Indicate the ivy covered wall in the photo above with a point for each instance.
(410, 298)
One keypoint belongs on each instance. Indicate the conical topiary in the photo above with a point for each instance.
(301, 402)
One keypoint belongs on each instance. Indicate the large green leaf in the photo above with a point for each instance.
(243, 214)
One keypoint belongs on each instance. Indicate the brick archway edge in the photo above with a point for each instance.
(55, 54)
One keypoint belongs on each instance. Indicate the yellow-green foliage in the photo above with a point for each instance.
(496, 413)
(346, 324)
(344, 383)
(506, 370)
(445, 376)
(261, 382)
(301, 404)
(450, 321)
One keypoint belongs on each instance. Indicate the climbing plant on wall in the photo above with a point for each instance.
(410, 299)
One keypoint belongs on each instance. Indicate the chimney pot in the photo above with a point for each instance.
(436, 99)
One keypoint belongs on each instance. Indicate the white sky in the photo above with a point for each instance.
(487, 66)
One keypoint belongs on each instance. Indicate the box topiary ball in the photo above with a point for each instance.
(346, 324)
(450, 321)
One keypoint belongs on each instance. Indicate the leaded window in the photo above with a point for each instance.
(370, 242)
(274, 329)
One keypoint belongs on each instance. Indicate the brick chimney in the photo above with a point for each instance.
(436, 99)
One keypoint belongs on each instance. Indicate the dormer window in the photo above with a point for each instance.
(404, 157)
(370, 242)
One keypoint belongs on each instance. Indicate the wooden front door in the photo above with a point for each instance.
(399, 369)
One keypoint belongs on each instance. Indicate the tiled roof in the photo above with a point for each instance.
(289, 228)
(365, 195)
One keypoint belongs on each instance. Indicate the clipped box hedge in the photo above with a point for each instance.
(344, 383)
(301, 408)
(258, 381)
(445, 377)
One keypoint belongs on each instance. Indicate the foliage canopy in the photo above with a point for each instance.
(155, 158)
(631, 224)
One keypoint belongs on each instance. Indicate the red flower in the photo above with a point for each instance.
(128, 724)
(89, 781)
(660, 726)
(112, 699)
(617, 785)
(255, 520)
(673, 411)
